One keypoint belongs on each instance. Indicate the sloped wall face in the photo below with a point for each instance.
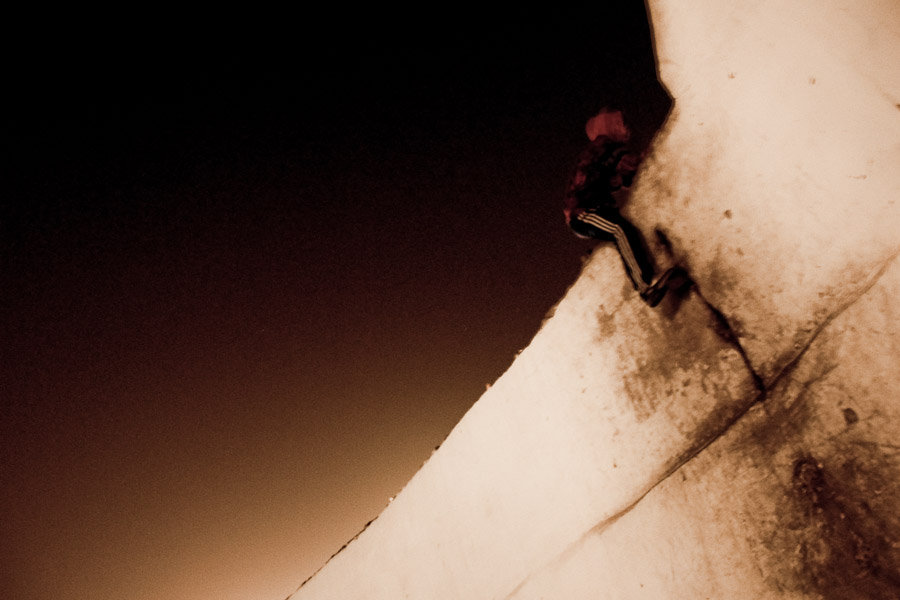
(739, 441)
(776, 176)
(609, 398)
(799, 499)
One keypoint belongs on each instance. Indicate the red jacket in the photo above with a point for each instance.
(604, 167)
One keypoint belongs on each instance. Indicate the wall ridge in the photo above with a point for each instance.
(874, 277)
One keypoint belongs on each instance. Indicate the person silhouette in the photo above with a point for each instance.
(604, 168)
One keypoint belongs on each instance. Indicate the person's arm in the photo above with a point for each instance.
(627, 168)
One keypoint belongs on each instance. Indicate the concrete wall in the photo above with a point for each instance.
(740, 440)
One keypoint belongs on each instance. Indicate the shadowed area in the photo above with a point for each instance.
(255, 267)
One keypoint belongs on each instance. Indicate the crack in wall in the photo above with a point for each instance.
(873, 279)
(725, 331)
(729, 335)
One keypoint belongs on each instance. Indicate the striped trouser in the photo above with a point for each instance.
(610, 225)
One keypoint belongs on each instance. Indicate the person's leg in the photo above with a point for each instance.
(610, 225)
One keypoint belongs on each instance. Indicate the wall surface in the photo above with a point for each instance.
(740, 440)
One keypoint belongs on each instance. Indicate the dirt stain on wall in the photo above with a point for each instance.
(843, 547)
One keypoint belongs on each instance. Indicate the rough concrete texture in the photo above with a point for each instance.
(776, 176)
(632, 452)
(798, 499)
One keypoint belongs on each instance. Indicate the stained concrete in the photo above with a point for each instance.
(797, 500)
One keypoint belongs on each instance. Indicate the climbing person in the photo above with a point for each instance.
(605, 167)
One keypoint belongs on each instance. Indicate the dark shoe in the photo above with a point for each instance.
(655, 292)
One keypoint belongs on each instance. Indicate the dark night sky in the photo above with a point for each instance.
(254, 271)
